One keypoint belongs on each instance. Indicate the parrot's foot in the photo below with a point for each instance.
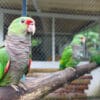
(19, 87)
(23, 86)
(73, 69)
(16, 88)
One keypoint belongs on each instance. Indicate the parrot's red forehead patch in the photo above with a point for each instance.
(29, 21)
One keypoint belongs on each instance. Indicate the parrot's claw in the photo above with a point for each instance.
(15, 87)
(73, 69)
(23, 86)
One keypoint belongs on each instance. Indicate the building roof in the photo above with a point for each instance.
(78, 13)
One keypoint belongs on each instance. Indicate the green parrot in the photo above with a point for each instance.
(88, 42)
(15, 56)
(67, 58)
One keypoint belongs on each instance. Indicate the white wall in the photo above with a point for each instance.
(44, 64)
(94, 87)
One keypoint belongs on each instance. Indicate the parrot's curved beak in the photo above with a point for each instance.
(83, 39)
(31, 28)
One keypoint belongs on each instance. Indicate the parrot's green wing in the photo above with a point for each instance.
(67, 53)
(4, 58)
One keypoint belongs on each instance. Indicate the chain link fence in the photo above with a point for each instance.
(54, 31)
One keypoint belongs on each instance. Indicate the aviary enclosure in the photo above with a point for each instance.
(57, 24)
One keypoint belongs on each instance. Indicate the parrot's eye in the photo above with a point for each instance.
(81, 37)
(22, 21)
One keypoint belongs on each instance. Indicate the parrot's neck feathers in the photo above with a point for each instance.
(18, 48)
(20, 34)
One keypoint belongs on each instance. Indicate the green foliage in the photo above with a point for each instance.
(35, 42)
(94, 55)
(93, 45)
(95, 58)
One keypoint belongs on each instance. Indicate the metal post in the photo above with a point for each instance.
(1, 28)
(24, 7)
(53, 39)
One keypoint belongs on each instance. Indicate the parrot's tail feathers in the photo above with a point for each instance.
(28, 66)
(7, 67)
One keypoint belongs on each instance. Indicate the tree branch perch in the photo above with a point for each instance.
(40, 87)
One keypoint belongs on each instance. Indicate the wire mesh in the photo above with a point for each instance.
(57, 21)
(51, 36)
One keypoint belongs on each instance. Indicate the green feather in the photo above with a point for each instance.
(77, 39)
(4, 57)
(1, 71)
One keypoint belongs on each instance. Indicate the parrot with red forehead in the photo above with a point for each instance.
(15, 56)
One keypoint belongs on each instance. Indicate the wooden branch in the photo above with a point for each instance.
(40, 87)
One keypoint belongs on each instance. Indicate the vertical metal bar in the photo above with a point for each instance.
(53, 39)
(24, 7)
(1, 27)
